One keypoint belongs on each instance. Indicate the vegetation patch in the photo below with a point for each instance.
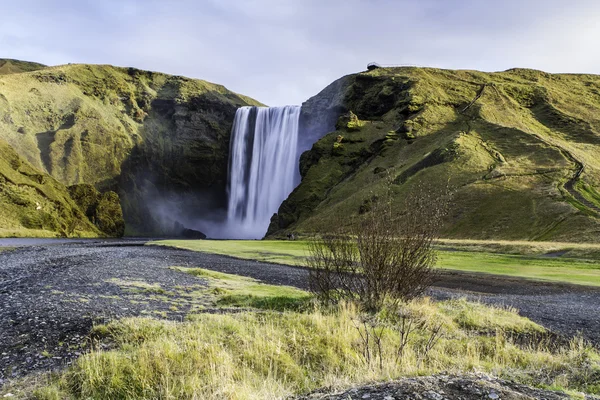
(36, 205)
(239, 291)
(508, 144)
(580, 272)
(276, 352)
(533, 260)
(273, 354)
(277, 251)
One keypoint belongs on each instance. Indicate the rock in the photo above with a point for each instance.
(192, 234)
(441, 387)
(153, 138)
(349, 122)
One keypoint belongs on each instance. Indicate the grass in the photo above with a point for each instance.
(589, 251)
(270, 354)
(275, 251)
(84, 124)
(6, 249)
(239, 291)
(474, 256)
(514, 149)
(579, 272)
(35, 205)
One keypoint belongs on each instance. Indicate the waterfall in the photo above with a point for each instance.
(262, 167)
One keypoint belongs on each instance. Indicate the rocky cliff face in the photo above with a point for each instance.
(515, 148)
(161, 142)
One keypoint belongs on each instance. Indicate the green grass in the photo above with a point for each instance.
(84, 123)
(576, 271)
(275, 251)
(513, 151)
(270, 354)
(239, 291)
(32, 204)
(6, 249)
(579, 272)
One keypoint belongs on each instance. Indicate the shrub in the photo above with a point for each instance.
(387, 254)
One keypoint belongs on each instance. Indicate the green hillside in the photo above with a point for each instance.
(34, 204)
(519, 148)
(9, 66)
(160, 141)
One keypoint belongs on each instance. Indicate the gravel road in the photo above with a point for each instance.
(51, 295)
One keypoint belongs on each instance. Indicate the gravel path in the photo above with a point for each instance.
(50, 296)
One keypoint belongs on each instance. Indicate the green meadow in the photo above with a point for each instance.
(480, 257)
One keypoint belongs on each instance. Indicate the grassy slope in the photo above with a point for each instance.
(9, 66)
(577, 271)
(66, 119)
(132, 131)
(508, 156)
(265, 354)
(34, 204)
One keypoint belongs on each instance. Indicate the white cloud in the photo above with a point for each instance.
(284, 51)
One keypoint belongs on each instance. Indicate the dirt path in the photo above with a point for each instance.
(50, 296)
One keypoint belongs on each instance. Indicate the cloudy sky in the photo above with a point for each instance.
(284, 51)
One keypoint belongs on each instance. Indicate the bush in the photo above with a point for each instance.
(109, 215)
(387, 254)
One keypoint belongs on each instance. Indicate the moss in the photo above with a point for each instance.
(86, 197)
(104, 210)
(34, 204)
(109, 216)
(124, 130)
(349, 122)
(505, 152)
(337, 149)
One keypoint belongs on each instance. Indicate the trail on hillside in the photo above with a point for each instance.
(579, 169)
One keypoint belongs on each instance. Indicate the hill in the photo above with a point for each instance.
(160, 141)
(9, 66)
(519, 149)
(34, 204)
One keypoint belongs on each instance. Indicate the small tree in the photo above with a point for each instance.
(387, 254)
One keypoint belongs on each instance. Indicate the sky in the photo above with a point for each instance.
(284, 51)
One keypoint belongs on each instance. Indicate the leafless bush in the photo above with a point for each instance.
(387, 254)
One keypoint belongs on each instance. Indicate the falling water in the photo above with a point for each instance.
(262, 165)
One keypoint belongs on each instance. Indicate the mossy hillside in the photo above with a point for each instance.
(35, 204)
(10, 66)
(136, 132)
(102, 209)
(517, 148)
